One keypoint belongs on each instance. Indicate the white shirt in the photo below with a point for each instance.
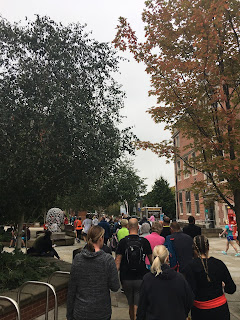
(86, 225)
(95, 222)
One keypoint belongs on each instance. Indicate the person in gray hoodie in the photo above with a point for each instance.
(93, 275)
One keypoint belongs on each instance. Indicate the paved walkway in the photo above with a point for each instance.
(119, 303)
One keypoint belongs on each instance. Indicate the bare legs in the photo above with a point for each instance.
(232, 244)
(132, 312)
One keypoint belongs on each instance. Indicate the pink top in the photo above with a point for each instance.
(154, 239)
(152, 218)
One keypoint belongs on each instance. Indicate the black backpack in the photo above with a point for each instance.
(134, 253)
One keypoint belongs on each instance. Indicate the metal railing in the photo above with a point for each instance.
(59, 273)
(49, 280)
(49, 286)
(16, 305)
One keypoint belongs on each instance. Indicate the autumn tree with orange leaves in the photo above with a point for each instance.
(192, 52)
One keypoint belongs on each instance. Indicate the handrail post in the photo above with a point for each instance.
(49, 286)
(18, 317)
(49, 279)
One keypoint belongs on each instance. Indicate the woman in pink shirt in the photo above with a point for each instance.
(154, 239)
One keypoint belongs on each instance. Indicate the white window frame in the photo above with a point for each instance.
(180, 202)
(177, 141)
(197, 204)
(188, 203)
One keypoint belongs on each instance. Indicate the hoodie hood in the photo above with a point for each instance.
(91, 255)
(167, 273)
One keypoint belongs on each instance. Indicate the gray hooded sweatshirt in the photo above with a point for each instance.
(93, 275)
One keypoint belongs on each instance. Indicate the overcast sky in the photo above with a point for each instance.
(101, 17)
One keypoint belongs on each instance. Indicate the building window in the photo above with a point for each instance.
(197, 207)
(185, 167)
(179, 170)
(188, 202)
(194, 171)
(180, 202)
(177, 143)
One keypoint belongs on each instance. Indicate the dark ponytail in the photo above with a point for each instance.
(201, 246)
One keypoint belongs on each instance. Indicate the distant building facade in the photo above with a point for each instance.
(187, 202)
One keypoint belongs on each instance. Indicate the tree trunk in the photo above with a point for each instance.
(20, 227)
(237, 207)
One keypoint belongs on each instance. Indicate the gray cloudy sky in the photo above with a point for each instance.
(101, 17)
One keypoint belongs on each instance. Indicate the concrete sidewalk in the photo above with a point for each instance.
(119, 302)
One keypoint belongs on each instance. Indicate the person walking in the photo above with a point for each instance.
(95, 221)
(123, 232)
(87, 223)
(145, 229)
(228, 230)
(166, 231)
(152, 218)
(179, 246)
(144, 220)
(209, 278)
(78, 228)
(164, 294)
(154, 239)
(105, 225)
(93, 275)
(192, 230)
(130, 260)
(13, 237)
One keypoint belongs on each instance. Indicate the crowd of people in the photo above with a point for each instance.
(164, 271)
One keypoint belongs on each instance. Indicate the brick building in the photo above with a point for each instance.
(187, 202)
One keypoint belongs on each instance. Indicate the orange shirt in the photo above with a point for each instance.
(78, 224)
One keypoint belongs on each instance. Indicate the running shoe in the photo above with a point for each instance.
(224, 252)
(237, 254)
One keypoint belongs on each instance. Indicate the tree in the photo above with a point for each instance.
(59, 108)
(192, 52)
(162, 196)
(121, 183)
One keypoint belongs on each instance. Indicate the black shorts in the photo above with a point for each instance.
(131, 289)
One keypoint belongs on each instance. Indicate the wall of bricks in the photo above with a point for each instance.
(185, 181)
(37, 308)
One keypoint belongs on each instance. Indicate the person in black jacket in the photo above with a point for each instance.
(164, 294)
(166, 231)
(209, 278)
(105, 225)
(179, 245)
(42, 246)
(192, 230)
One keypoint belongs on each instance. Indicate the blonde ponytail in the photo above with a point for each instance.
(160, 254)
